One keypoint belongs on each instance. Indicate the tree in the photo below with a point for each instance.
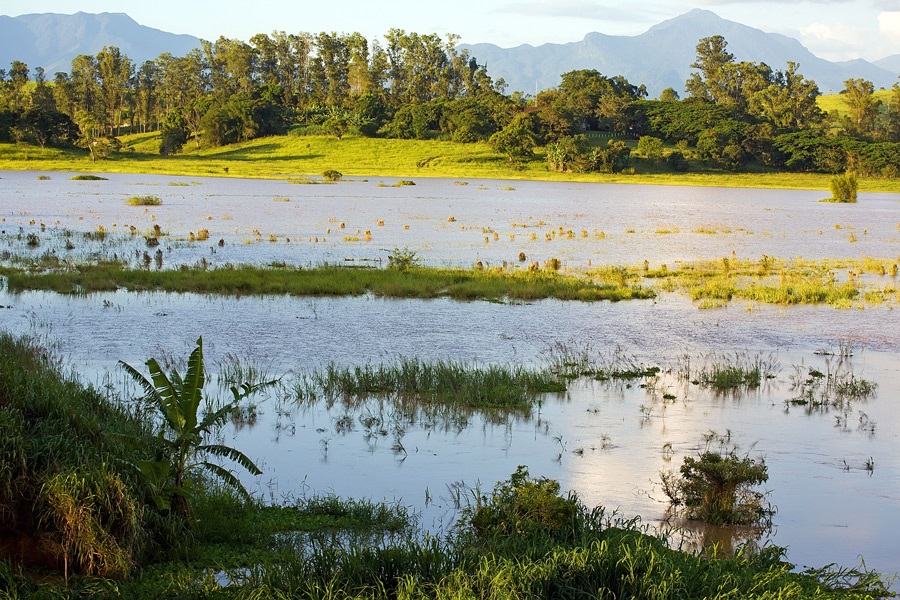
(650, 147)
(862, 106)
(182, 445)
(18, 77)
(517, 140)
(669, 95)
(712, 57)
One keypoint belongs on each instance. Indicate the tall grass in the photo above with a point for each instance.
(63, 492)
(445, 382)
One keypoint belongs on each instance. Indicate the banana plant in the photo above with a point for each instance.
(182, 439)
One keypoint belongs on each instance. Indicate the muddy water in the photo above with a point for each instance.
(605, 441)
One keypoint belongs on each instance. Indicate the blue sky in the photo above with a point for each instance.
(832, 29)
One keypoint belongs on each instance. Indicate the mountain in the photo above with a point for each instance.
(51, 40)
(661, 57)
(891, 63)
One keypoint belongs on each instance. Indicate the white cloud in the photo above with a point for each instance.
(835, 42)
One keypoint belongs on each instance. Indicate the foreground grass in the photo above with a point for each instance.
(460, 284)
(355, 156)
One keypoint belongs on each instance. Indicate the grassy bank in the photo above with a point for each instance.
(459, 284)
(354, 156)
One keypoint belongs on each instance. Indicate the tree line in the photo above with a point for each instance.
(736, 115)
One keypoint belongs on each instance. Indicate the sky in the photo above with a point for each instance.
(831, 29)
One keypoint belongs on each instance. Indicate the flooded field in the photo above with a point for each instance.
(833, 471)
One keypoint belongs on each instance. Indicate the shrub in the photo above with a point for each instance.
(332, 175)
(403, 259)
(144, 201)
(718, 489)
(87, 178)
(524, 506)
(844, 187)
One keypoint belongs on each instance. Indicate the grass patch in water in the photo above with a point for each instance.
(419, 282)
(148, 200)
(87, 178)
(445, 382)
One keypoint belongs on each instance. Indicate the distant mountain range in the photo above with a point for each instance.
(661, 57)
(51, 40)
(658, 58)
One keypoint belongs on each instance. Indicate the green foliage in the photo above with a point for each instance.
(181, 445)
(332, 175)
(523, 507)
(403, 259)
(87, 178)
(461, 284)
(146, 200)
(718, 489)
(844, 187)
(650, 147)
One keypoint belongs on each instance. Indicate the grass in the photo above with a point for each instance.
(460, 284)
(147, 200)
(443, 382)
(835, 102)
(280, 156)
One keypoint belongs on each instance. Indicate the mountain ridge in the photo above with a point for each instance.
(52, 40)
(661, 56)
(658, 58)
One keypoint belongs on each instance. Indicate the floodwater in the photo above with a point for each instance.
(604, 440)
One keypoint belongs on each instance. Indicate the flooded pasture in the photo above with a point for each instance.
(833, 471)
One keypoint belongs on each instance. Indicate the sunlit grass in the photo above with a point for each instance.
(353, 156)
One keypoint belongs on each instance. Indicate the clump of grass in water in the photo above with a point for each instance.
(448, 382)
(87, 178)
(732, 372)
(837, 387)
(148, 200)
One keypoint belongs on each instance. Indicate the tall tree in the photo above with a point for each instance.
(712, 57)
(862, 106)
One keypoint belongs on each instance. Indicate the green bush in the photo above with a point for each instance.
(844, 187)
(332, 175)
(524, 506)
(718, 489)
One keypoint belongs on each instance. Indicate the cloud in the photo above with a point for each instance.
(835, 42)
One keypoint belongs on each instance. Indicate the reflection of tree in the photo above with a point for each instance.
(714, 541)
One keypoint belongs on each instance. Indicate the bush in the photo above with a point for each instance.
(717, 489)
(147, 200)
(844, 187)
(332, 175)
(524, 506)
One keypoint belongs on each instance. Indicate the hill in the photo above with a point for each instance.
(661, 57)
(52, 40)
